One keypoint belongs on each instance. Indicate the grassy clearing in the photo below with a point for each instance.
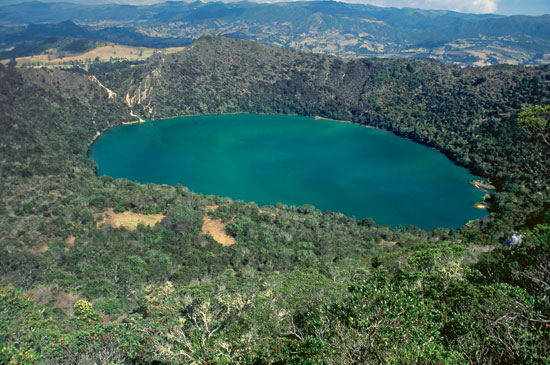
(216, 228)
(128, 220)
(383, 242)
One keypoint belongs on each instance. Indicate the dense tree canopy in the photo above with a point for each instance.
(299, 285)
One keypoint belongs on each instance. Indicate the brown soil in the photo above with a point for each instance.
(128, 220)
(70, 242)
(263, 211)
(48, 295)
(36, 251)
(216, 229)
(387, 243)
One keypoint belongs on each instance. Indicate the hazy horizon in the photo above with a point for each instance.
(502, 7)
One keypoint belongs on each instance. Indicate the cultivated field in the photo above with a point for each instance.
(115, 52)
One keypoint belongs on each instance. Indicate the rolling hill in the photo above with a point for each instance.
(350, 30)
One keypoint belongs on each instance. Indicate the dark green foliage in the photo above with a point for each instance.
(172, 294)
(433, 308)
(536, 121)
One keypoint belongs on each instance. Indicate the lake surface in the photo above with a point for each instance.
(361, 172)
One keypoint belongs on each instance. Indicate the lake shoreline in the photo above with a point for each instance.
(98, 133)
(316, 117)
(482, 185)
(254, 124)
(479, 184)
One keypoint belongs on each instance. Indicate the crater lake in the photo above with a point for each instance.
(342, 167)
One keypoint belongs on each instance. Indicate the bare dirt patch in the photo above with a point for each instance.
(387, 243)
(264, 211)
(216, 229)
(212, 208)
(70, 242)
(41, 249)
(48, 295)
(128, 220)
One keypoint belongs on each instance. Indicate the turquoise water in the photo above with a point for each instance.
(361, 172)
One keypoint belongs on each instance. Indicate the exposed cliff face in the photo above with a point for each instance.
(140, 90)
(138, 93)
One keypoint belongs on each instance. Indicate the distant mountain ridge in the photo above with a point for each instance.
(349, 30)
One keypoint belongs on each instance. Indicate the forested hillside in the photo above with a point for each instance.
(298, 284)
